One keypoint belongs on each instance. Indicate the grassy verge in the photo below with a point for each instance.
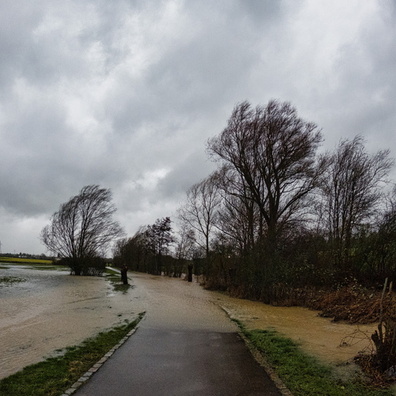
(302, 374)
(55, 375)
(114, 277)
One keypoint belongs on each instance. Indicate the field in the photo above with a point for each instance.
(21, 260)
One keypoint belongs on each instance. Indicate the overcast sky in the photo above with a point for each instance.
(125, 94)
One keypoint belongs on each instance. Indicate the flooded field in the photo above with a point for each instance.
(52, 310)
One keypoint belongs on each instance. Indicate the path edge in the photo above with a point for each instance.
(261, 360)
(87, 375)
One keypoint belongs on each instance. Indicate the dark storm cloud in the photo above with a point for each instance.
(125, 93)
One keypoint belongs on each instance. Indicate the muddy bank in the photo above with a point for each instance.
(51, 310)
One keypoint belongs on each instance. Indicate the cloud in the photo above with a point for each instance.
(125, 94)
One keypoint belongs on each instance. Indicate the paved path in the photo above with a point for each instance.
(186, 345)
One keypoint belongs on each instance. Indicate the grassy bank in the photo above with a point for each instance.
(55, 375)
(302, 374)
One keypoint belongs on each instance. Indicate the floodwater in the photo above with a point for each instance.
(53, 310)
(331, 342)
(180, 305)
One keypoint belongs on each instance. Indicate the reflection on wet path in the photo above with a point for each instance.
(180, 305)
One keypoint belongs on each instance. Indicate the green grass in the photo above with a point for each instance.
(115, 279)
(302, 374)
(55, 375)
(18, 260)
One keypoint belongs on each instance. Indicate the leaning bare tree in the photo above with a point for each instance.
(82, 229)
(273, 153)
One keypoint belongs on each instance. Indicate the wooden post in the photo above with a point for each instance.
(190, 272)
(124, 276)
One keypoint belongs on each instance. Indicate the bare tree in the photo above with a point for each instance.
(82, 228)
(200, 210)
(385, 247)
(239, 219)
(184, 252)
(274, 153)
(185, 243)
(351, 191)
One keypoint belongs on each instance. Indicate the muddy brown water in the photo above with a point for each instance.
(53, 310)
(331, 342)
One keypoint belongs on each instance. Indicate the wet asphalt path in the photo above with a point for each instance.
(185, 345)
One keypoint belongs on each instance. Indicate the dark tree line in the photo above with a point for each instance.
(149, 250)
(276, 214)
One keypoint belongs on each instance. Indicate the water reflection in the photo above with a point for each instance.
(34, 280)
